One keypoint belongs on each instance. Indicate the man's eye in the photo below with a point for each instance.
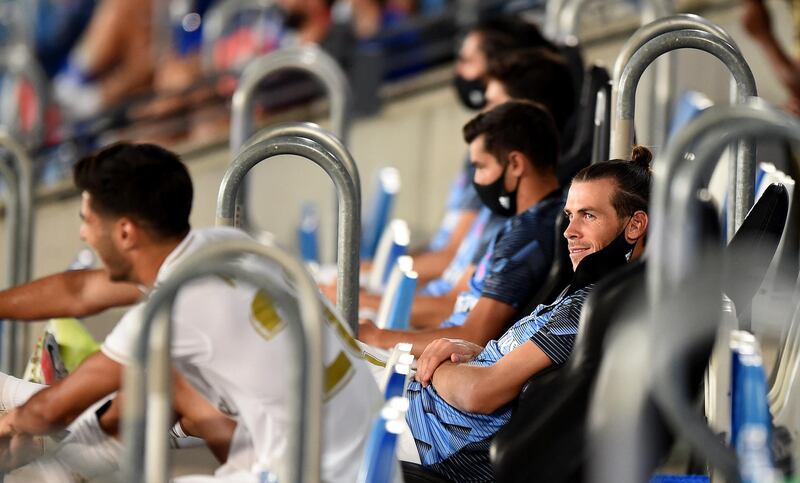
(588, 216)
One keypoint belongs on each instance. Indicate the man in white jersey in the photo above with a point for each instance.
(229, 339)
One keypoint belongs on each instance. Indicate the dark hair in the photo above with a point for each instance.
(502, 34)
(537, 75)
(142, 181)
(633, 179)
(517, 126)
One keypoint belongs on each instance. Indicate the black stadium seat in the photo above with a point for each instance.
(552, 411)
(580, 153)
(543, 440)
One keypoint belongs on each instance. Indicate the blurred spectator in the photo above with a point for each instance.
(756, 20)
(112, 61)
(486, 41)
(57, 27)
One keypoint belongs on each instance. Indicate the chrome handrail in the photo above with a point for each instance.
(320, 147)
(742, 181)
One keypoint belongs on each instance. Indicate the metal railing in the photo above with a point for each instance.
(322, 148)
(712, 131)
(147, 392)
(311, 60)
(742, 178)
(16, 168)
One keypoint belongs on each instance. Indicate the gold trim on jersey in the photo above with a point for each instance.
(337, 374)
(264, 317)
(343, 333)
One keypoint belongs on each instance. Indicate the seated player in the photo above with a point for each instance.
(536, 75)
(229, 339)
(463, 392)
(514, 149)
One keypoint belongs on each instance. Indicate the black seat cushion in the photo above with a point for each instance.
(414, 473)
(580, 153)
(751, 250)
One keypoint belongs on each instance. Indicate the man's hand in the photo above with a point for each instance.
(17, 449)
(441, 350)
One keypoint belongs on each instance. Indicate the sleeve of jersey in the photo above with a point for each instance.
(515, 272)
(118, 345)
(557, 337)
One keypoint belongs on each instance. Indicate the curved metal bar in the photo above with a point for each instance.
(310, 59)
(18, 61)
(725, 124)
(743, 184)
(568, 14)
(349, 225)
(716, 128)
(663, 83)
(305, 406)
(22, 247)
(646, 33)
(218, 18)
(325, 138)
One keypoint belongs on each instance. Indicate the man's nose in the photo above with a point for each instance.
(571, 231)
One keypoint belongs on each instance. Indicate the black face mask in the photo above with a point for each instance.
(471, 93)
(496, 198)
(294, 20)
(597, 265)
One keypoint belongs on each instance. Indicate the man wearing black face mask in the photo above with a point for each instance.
(485, 40)
(514, 148)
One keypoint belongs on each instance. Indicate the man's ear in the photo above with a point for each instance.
(637, 226)
(516, 163)
(127, 233)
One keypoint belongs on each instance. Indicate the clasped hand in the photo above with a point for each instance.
(440, 351)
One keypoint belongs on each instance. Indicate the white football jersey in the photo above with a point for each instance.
(231, 341)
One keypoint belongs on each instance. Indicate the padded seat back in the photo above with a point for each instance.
(579, 155)
(750, 252)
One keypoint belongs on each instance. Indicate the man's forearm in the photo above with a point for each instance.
(429, 312)
(431, 265)
(420, 339)
(68, 294)
(458, 383)
(54, 407)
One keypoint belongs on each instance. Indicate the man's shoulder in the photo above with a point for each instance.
(536, 223)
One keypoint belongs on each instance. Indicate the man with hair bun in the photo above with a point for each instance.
(463, 392)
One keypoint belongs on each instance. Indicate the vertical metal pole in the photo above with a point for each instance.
(22, 248)
(7, 333)
(602, 115)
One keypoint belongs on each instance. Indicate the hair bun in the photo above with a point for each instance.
(641, 156)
